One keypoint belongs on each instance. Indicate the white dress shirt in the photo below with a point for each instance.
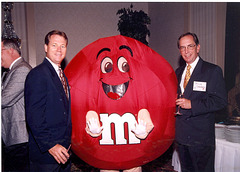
(55, 66)
(193, 65)
(14, 62)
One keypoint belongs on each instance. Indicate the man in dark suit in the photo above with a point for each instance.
(204, 93)
(48, 109)
(14, 130)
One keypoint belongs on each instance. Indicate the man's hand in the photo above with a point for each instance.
(184, 103)
(94, 126)
(60, 153)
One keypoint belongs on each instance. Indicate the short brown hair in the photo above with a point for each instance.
(195, 38)
(55, 32)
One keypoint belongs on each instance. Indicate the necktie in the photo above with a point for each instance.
(5, 75)
(63, 81)
(187, 76)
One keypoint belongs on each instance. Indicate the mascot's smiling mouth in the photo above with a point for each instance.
(115, 92)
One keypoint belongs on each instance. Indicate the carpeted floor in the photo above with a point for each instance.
(161, 164)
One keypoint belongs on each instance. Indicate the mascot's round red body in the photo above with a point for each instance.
(145, 80)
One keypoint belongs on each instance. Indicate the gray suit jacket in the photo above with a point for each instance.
(14, 129)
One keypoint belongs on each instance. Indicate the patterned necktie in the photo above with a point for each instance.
(187, 76)
(63, 81)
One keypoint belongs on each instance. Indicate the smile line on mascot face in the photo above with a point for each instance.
(115, 73)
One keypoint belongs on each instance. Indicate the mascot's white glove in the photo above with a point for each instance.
(140, 129)
(94, 128)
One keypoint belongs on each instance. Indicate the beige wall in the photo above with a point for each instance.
(82, 22)
(168, 23)
(86, 22)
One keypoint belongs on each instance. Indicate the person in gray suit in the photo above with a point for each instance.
(14, 131)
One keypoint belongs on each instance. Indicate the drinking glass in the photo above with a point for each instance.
(180, 95)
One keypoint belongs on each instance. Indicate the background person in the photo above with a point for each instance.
(48, 109)
(203, 95)
(14, 130)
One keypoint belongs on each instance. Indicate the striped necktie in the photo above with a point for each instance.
(63, 81)
(187, 76)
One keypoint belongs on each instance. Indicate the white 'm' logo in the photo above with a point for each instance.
(118, 122)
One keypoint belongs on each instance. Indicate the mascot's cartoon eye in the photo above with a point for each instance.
(123, 65)
(106, 65)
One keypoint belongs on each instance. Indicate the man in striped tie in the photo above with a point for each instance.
(48, 109)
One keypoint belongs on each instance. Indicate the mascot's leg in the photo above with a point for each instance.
(135, 169)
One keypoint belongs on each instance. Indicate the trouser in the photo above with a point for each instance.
(15, 157)
(39, 167)
(197, 158)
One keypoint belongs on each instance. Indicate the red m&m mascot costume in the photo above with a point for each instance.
(123, 102)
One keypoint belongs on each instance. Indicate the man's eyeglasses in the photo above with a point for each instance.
(189, 47)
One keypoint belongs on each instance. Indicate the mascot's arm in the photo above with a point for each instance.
(92, 124)
(144, 125)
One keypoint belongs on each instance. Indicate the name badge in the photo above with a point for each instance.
(199, 86)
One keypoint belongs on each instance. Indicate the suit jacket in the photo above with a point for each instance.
(48, 112)
(196, 125)
(13, 113)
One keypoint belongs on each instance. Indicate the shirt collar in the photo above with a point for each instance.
(55, 66)
(193, 64)
(14, 62)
